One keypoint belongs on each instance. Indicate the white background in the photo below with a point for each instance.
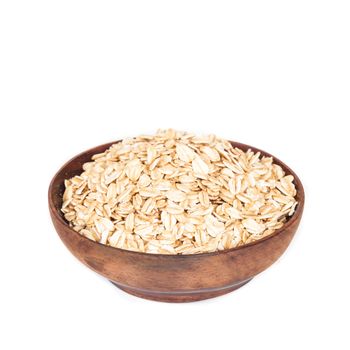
(75, 74)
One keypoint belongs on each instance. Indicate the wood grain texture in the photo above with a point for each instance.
(172, 278)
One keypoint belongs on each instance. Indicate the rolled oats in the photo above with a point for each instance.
(177, 193)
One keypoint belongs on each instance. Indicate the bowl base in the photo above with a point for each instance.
(180, 297)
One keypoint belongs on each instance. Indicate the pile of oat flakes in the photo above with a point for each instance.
(177, 193)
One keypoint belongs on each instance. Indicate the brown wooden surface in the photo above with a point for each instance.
(171, 278)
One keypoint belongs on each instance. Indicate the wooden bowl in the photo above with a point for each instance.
(172, 278)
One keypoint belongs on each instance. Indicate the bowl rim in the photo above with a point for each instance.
(295, 217)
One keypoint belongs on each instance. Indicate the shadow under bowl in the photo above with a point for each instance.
(172, 278)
